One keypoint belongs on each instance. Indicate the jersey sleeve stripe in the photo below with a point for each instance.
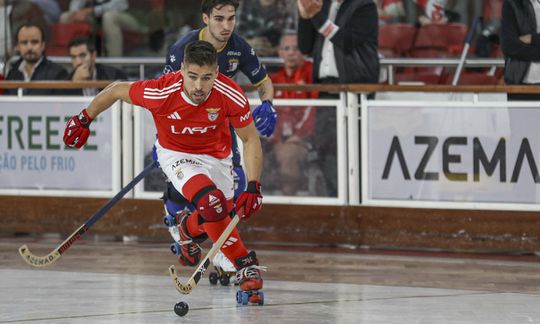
(150, 95)
(230, 97)
(158, 90)
(231, 91)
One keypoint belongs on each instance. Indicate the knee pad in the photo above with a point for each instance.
(211, 204)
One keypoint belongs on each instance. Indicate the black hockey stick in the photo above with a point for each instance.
(203, 265)
(42, 261)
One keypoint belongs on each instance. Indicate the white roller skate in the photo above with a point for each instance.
(225, 271)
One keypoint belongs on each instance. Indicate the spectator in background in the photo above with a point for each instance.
(261, 22)
(432, 11)
(520, 41)
(342, 38)
(390, 11)
(33, 65)
(179, 19)
(50, 10)
(111, 15)
(18, 13)
(83, 60)
(296, 124)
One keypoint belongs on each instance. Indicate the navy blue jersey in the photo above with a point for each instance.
(236, 55)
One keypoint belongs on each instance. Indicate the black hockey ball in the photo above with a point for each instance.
(181, 308)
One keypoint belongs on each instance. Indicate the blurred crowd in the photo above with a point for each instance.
(149, 27)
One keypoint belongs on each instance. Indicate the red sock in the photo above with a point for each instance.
(233, 247)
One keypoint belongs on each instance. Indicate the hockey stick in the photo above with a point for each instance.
(42, 261)
(203, 265)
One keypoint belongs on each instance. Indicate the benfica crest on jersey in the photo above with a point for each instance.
(213, 113)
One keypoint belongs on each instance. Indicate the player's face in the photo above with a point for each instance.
(221, 22)
(198, 81)
(81, 56)
(288, 51)
(30, 44)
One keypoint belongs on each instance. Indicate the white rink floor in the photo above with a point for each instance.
(45, 296)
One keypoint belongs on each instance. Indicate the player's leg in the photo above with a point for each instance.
(248, 273)
(178, 211)
(187, 227)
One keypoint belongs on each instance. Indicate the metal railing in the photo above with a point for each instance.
(388, 63)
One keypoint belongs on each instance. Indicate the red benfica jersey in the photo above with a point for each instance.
(186, 127)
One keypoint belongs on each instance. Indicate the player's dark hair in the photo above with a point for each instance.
(208, 5)
(28, 25)
(82, 40)
(201, 53)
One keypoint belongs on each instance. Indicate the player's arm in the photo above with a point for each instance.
(113, 92)
(252, 151)
(250, 201)
(77, 128)
(266, 90)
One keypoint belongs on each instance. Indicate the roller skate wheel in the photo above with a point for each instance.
(242, 297)
(181, 308)
(224, 280)
(175, 248)
(213, 278)
(169, 221)
(261, 299)
(245, 298)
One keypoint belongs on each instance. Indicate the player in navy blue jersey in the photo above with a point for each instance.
(234, 55)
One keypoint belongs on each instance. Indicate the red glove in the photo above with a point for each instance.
(77, 132)
(250, 200)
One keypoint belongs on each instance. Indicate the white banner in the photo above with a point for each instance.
(32, 152)
(455, 154)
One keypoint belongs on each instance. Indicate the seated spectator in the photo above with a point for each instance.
(261, 22)
(83, 60)
(111, 15)
(17, 13)
(295, 124)
(33, 65)
(49, 8)
(390, 11)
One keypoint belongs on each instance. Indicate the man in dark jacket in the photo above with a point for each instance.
(33, 65)
(83, 59)
(342, 38)
(520, 39)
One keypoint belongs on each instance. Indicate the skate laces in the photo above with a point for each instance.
(250, 272)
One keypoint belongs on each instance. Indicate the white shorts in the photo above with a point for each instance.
(179, 167)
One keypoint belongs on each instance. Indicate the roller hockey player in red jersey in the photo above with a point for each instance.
(192, 109)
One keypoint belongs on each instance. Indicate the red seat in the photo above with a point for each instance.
(62, 34)
(448, 39)
(396, 39)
